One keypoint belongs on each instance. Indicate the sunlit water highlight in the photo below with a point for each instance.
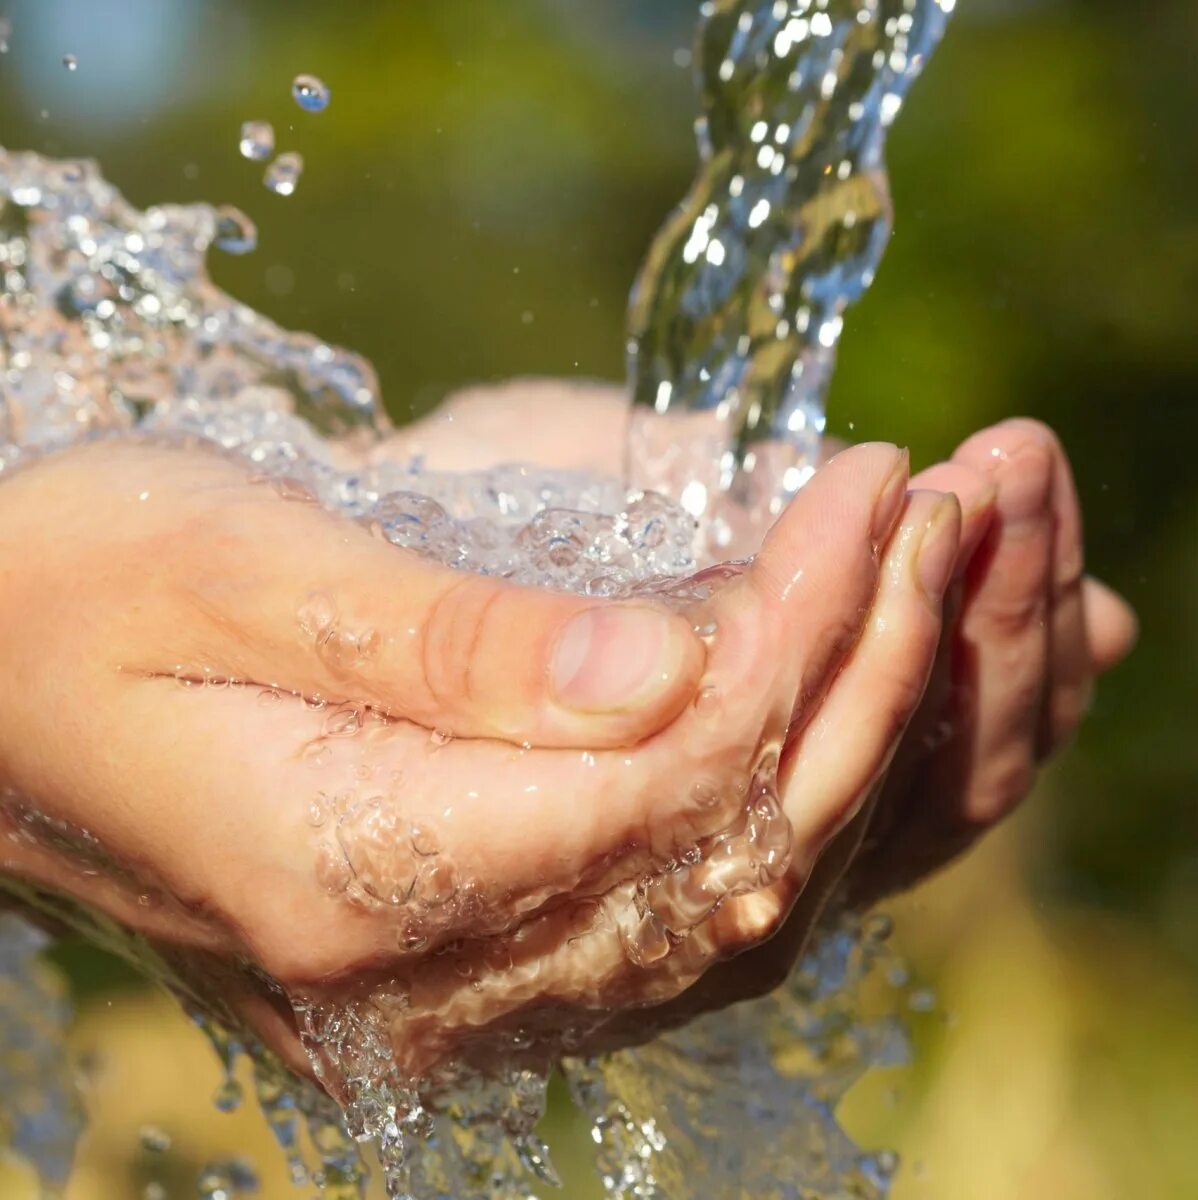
(109, 324)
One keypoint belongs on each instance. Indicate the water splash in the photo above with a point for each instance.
(40, 1114)
(750, 1093)
(735, 319)
(146, 325)
(73, 369)
(108, 324)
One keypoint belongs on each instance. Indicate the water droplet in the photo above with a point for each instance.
(440, 737)
(316, 615)
(425, 842)
(707, 701)
(332, 871)
(922, 1001)
(227, 1179)
(413, 940)
(438, 883)
(228, 1096)
(878, 927)
(154, 1191)
(317, 754)
(311, 94)
(5, 34)
(344, 721)
(270, 697)
(154, 1139)
(235, 232)
(70, 61)
(317, 815)
(283, 174)
(257, 141)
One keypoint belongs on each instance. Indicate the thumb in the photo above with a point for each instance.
(331, 610)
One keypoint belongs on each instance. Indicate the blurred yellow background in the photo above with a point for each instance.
(475, 202)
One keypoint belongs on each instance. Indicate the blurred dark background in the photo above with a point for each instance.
(475, 203)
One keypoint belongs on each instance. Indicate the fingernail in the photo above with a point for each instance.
(938, 549)
(1025, 483)
(890, 498)
(616, 657)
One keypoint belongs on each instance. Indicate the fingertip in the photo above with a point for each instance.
(933, 522)
(1020, 462)
(1112, 627)
(620, 672)
(857, 495)
(976, 494)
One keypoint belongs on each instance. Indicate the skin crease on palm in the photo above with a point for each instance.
(905, 651)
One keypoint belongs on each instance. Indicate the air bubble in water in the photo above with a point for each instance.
(311, 94)
(257, 141)
(235, 232)
(70, 61)
(283, 174)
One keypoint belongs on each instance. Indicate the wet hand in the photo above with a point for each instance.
(1030, 633)
(340, 849)
(1027, 631)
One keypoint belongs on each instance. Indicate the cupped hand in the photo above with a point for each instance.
(182, 647)
(1027, 631)
(1030, 633)
(241, 728)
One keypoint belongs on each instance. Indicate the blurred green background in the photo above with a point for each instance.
(475, 203)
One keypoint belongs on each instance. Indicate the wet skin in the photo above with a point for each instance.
(487, 873)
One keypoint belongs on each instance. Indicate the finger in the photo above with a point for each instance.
(818, 568)
(834, 765)
(1112, 628)
(975, 494)
(1003, 647)
(1070, 668)
(849, 743)
(299, 598)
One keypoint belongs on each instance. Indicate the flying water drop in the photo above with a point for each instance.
(283, 174)
(70, 61)
(153, 1139)
(311, 94)
(257, 141)
(235, 232)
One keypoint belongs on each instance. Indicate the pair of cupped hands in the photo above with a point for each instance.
(427, 783)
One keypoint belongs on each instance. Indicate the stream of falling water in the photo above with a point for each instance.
(109, 325)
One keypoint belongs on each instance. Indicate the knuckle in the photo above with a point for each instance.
(1002, 787)
(1008, 614)
(450, 636)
